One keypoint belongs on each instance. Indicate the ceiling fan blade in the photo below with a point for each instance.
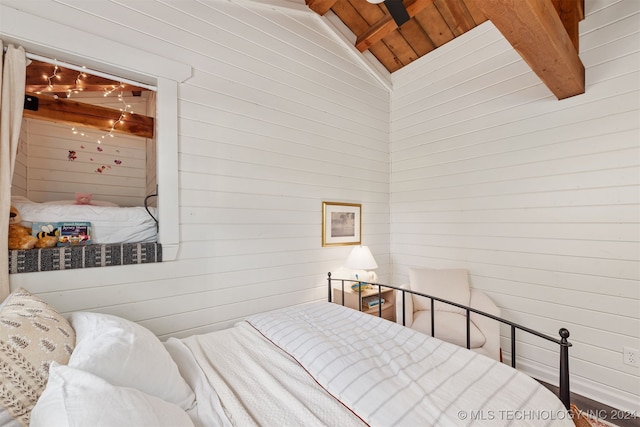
(398, 11)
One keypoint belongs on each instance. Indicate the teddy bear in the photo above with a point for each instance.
(19, 236)
(83, 198)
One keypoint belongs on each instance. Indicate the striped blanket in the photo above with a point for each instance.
(390, 375)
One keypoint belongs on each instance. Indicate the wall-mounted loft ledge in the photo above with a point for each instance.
(72, 257)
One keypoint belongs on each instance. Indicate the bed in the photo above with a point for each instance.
(317, 364)
(110, 223)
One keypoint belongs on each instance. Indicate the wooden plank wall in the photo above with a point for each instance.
(538, 198)
(113, 169)
(277, 118)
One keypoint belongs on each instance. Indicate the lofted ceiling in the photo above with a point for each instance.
(544, 32)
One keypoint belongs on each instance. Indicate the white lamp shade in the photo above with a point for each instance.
(360, 258)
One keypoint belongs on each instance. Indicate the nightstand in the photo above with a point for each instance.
(351, 300)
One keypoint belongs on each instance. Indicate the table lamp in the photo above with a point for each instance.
(360, 259)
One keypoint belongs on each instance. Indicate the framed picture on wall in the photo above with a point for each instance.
(341, 224)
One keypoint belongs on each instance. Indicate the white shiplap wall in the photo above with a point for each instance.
(277, 117)
(537, 197)
(52, 176)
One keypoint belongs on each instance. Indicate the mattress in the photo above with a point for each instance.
(324, 364)
(110, 224)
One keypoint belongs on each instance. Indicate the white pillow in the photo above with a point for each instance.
(20, 199)
(32, 336)
(127, 355)
(73, 202)
(448, 284)
(77, 398)
(6, 420)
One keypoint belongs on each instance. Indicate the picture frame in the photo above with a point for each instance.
(341, 224)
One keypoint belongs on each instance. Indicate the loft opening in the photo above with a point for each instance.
(87, 153)
(122, 60)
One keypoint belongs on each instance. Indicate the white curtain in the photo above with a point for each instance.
(12, 86)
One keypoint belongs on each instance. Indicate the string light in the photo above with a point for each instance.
(78, 85)
(108, 92)
(124, 110)
(51, 77)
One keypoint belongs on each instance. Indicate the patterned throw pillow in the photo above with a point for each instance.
(32, 335)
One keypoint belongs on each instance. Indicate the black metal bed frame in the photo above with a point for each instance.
(564, 389)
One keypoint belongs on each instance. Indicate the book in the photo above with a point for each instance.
(68, 233)
(372, 301)
(42, 229)
(74, 233)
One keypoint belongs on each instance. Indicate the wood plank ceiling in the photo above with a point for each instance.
(544, 32)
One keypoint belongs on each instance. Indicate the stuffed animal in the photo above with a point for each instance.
(19, 236)
(83, 198)
(47, 236)
(46, 242)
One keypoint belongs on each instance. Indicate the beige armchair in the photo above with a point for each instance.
(450, 321)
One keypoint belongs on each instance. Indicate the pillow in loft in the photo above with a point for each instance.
(127, 355)
(77, 398)
(73, 202)
(20, 199)
(32, 336)
(449, 284)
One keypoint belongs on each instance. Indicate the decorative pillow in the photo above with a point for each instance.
(32, 336)
(83, 198)
(127, 355)
(449, 284)
(77, 398)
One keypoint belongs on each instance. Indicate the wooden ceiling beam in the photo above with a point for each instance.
(386, 25)
(44, 77)
(90, 116)
(64, 90)
(571, 12)
(537, 33)
(320, 6)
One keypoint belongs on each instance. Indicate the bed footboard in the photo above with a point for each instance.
(562, 342)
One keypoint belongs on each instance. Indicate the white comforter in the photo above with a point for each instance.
(109, 224)
(323, 364)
